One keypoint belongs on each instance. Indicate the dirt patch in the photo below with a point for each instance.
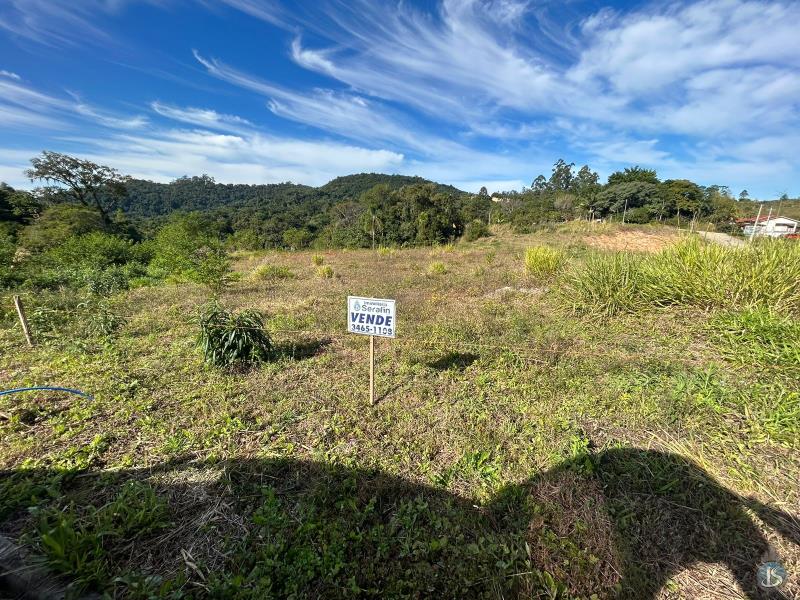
(506, 290)
(637, 241)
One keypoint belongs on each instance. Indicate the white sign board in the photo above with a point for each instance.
(371, 316)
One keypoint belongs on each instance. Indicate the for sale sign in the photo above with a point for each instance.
(371, 316)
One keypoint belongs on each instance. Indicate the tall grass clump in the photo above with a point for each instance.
(691, 273)
(606, 284)
(230, 339)
(764, 275)
(437, 268)
(271, 272)
(543, 261)
(325, 272)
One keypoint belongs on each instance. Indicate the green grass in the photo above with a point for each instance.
(81, 541)
(519, 448)
(758, 336)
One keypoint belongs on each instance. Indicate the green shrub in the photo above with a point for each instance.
(295, 239)
(175, 246)
(475, 229)
(112, 280)
(98, 319)
(7, 251)
(543, 261)
(437, 268)
(317, 260)
(50, 311)
(58, 224)
(230, 339)
(325, 272)
(270, 272)
(211, 266)
(96, 250)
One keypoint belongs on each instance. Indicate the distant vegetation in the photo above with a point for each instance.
(89, 226)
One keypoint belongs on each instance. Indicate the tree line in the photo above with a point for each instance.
(633, 195)
(90, 225)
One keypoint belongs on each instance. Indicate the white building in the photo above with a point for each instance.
(773, 227)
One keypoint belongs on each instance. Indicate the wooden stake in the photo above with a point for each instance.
(21, 313)
(372, 370)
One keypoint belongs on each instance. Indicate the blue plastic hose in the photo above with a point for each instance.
(46, 389)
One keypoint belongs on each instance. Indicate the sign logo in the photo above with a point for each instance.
(371, 316)
(771, 575)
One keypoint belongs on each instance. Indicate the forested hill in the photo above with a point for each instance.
(149, 199)
(352, 186)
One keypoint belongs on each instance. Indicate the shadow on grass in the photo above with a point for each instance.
(456, 361)
(618, 523)
(301, 350)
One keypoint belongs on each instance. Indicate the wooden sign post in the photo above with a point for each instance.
(23, 321)
(372, 317)
(371, 370)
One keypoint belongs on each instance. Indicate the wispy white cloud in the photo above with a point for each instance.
(459, 65)
(237, 152)
(165, 154)
(9, 74)
(203, 117)
(257, 158)
(371, 121)
(346, 114)
(703, 70)
(23, 105)
(62, 22)
(265, 10)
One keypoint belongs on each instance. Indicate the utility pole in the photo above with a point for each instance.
(769, 216)
(758, 218)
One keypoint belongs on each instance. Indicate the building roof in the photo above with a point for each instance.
(763, 219)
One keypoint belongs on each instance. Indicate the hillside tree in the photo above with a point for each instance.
(631, 174)
(87, 183)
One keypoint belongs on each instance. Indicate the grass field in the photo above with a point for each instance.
(527, 441)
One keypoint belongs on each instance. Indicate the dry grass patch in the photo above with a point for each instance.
(633, 241)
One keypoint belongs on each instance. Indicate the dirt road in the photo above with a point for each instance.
(723, 239)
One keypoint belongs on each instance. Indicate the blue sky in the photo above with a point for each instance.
(465, 92)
